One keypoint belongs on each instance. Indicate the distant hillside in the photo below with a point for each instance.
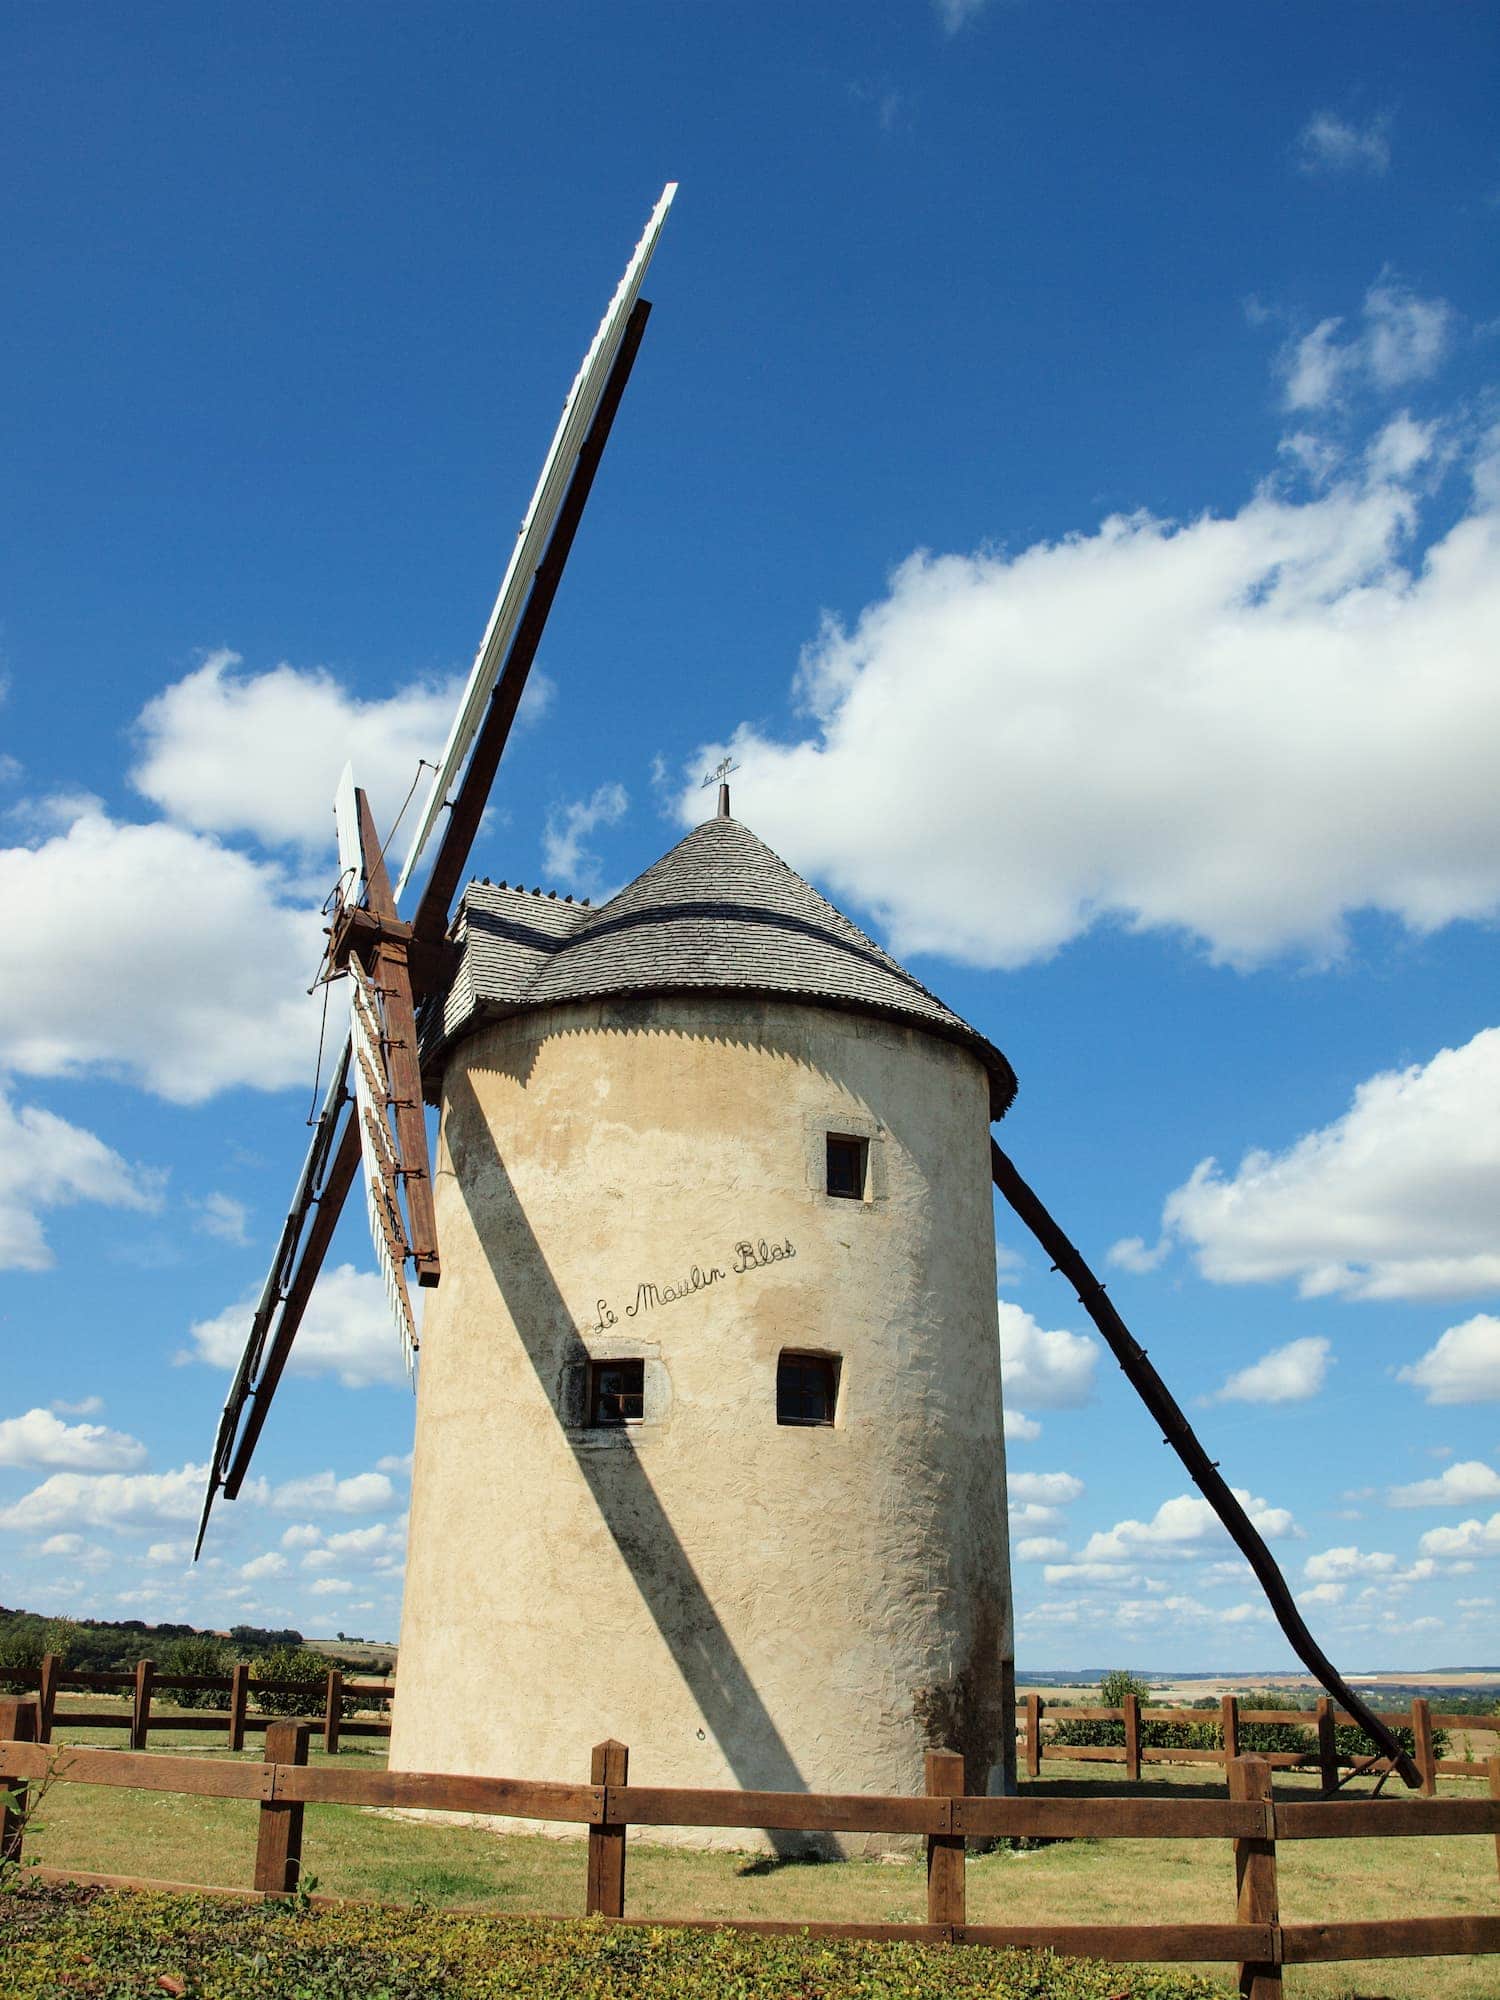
(113, 1645)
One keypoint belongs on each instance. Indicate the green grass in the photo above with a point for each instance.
(453, 1866)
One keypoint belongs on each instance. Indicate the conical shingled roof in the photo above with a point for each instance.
(721, 911)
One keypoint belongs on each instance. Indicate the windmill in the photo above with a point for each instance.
(717, 1036)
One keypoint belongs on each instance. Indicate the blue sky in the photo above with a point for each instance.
(1062, 467)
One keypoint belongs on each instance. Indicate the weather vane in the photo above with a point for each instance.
(720, 772)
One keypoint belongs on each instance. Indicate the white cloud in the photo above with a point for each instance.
(222, 1216)
(321, 1492)
(1048, 1489)
(1337, 1565)
(1323, 1593)
(1287, 1374)
(62, 1545)
(568, 861)
(1174, 676)
(1090, 1573)
(331, 1586)
(1330, 144)
(956, 14)
(102, 973)
(261, 753)
(110, 1499)
(1401, 339)
(1469, 1538)
(270, 1564)
(163, 1553)
(1459, 1485)
(47, 1163)
(302, 1535)
(86, 1406)
(1134, 1254)
(1394, 1200)
(1019, 1428)
(1464, 1365)
(395, 1462)
(39, 1438)
(1041, 1548)
(1185, 1519)
(1030, 1514)
(347, 1332)
(1046, 1371)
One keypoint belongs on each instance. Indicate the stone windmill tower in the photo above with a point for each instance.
(709, 1449)
(709, 1445)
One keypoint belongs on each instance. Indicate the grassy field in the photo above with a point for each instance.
(355, 1852)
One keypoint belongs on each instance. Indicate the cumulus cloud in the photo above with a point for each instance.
(1047, 1489)
(1330, 144)
(322, 1492)
(1394, 1200)
(331, 1586)
(110, 1500)
(101, 972)
(1238, 729)
(566, 856)
(270, 1564)
(1400, 339)
(1040, 1369)
(45, 1162)
(1338, 1565)
(1464, 1364)
(40, 1438)
(1019, 1428)
(260, 753)
(1469, 1538)
(1459, 1485)
(222, 1216)
(1179, 1522)
(1040, 1548)
(347, 1332)
(1287, 1374)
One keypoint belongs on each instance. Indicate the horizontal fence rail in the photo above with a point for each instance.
(142, 1684)
(1036, 1713)
(1255, 1939)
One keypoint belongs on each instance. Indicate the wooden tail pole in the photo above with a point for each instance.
(333, 1710)
(239, 1692)
(1328, 1746)
(1133, 1738)
(278, 1845)
(1421, 1730)
(1033, 1736)
(1255, 1878)
(140, 1712)
(1201, 1469)
(1229, 1723)
(609, 1765)
(945, 1851)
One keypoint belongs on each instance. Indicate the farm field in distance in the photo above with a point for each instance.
(361, 1853)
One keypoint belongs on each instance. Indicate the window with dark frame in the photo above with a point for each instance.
(807, 1388)
(617, 1393)
(848, 1162)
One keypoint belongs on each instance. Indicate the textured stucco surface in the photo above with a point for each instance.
(744, 1604)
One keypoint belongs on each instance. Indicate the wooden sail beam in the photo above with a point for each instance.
(472, 796)
(1201, 1469)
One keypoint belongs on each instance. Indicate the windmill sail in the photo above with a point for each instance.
(382, 1163)
(536, 529)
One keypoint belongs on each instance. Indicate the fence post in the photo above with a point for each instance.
(1328, 1752)
(1033, 1736)
(1008, 1735)
(1421, 1729)
(52, 1667)
(239, 1695)
(18, 1720)
(1229, 1725)
(1133, 1738)
(609, 1765)
(945, 1851)
(278, 1843)
(140, 1716)
(333, 1709)
(1494, 1771)
(1255, 1877)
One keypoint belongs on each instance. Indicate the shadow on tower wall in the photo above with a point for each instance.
(628, 1504)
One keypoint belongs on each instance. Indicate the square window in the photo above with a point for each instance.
(617, 1392)
(807, 1388)
(848, 1164)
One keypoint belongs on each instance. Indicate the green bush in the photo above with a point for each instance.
(24, 1640)
(202, 1654)
(294, 1663)
(113, 1943)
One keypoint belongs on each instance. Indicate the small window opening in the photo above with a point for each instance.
(848, 1161)
(617, 1392)
(807, 1388)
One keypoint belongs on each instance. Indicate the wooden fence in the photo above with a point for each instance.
(1255, 1938)
(1324, 1721)
(143, 1683)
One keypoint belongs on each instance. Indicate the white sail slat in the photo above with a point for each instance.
(536, 528)
(378, 1154)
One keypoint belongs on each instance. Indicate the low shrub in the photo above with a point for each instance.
(293, 1663)
(95, 1943)
(202, 1654)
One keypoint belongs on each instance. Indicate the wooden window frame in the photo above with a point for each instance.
(860, 1148)
(831, 1366)
(594, 1416)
